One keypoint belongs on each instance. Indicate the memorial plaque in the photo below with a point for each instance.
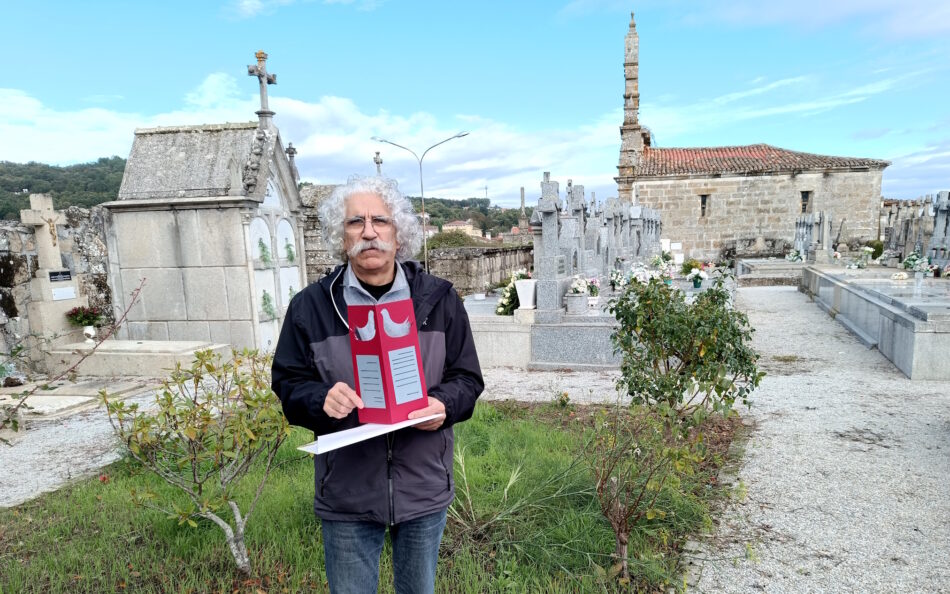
(60, 275)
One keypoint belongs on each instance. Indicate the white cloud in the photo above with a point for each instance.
(720, 112)
(333, 137)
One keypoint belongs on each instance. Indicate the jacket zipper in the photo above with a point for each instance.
(389, 474)
(445, 446)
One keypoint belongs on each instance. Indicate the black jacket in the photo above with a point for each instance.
(401, 475)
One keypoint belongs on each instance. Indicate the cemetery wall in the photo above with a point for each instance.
(756, 213)
(83, 247)
(469, 269)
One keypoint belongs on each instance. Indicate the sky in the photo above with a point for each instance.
(537, 84)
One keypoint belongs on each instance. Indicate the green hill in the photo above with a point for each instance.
(85, 185)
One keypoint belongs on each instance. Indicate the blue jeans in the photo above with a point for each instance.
(352, 552)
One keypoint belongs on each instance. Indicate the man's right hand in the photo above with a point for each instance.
(341, 400)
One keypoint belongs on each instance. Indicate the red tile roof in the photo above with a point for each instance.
(754, 158)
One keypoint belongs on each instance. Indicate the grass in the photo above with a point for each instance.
(541, 532)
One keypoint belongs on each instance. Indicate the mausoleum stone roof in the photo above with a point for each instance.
(187, 161)
(752, 159)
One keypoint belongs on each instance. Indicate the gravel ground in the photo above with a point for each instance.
(844, 484)
(843, 488)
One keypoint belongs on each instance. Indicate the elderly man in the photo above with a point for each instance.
(404, 479)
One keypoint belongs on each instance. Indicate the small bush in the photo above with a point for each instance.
(451, 239)
(878, 246)
(686, 358)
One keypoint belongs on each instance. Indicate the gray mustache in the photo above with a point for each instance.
(363, 245)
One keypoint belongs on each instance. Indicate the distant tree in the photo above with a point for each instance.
(83, 185)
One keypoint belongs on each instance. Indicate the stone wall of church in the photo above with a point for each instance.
(756, 213)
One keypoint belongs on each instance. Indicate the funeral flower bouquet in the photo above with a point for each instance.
(578, 286)
(794, 256)
(912, 260)
(508, 302)
(617, 279)
(84, 316)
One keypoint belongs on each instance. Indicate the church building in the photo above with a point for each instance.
(727, 200)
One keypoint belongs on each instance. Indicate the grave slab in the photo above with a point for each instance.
(909, 324)
(131, 357)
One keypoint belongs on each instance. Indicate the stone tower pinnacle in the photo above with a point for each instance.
(633, 137)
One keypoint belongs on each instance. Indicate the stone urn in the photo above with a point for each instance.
(576, 303)
(90, 333)
(525, 288)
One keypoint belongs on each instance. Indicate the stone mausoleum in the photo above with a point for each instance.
(210, 216)
(743, 200)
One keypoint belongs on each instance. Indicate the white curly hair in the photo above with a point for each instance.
(333, 210)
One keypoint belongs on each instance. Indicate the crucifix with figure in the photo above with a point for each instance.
(44, 219)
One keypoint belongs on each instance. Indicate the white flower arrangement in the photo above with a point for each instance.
(867, 249)
(899, 276)
(617, 279)
(578, 286)
(697, 273)
(643, 275)
(794, 256)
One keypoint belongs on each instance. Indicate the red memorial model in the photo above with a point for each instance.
(387, 362)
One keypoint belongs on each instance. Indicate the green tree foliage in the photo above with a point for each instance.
(83, 185)
(484, 216)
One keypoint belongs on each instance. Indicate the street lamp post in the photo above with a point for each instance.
(422, 196)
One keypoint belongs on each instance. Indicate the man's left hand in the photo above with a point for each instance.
(435, 407)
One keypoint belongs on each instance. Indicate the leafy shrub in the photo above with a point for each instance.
(449, 239)
(210, 424)
(878, 246)
(686, 358)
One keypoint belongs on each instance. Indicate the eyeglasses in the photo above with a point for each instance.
(358, 223)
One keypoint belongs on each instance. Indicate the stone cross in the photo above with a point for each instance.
(42, 216)
(379, 164)
(264, 78)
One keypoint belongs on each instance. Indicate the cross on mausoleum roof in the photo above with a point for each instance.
(264, 78)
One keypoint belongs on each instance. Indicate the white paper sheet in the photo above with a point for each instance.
(340, 439)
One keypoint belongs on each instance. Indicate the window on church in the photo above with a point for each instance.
(703, 201)
(806, 196)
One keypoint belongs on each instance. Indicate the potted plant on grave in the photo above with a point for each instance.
(576, 298)
(86, 317)
(689, 265)
(593, 291)
(697, 275)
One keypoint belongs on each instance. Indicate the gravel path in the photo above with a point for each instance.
(844, 485)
